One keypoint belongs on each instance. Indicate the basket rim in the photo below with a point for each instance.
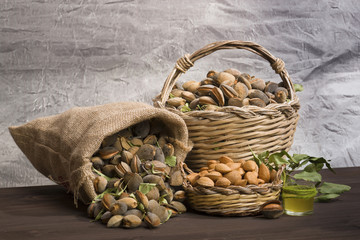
(272, 110)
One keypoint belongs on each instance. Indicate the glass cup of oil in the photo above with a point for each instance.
(298, 199)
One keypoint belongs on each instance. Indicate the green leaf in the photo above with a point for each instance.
(283, 152)
(299, 157)
(153, 171)
(186, 108)
(170, 161)
(318, 166)
(327, 197)
(101, 195)
(314, 167)
(264, 155)
(333, 188)
(277, 159)
(141, 207)
(322, 160)
(256, 158)
(308, 176)
(100, 174)
(98, 217)
(162, 199)
(169, 215)
(146, 187)
(131, 145)
(201, 107)
(298, 87)
(310, 168)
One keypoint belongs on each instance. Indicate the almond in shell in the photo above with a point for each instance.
(260, 181)
(233, 176)
(251, 177)
(203, 173)
(249, 165)
(192, 178)
(272, 175)
(264, 173)
(222, 182)
(222, 168)
(209, 162)
(234, 166)
(241, 182)
(205, 182)
(214, 175)
(225, 159)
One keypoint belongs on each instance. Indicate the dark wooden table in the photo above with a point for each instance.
(47, 212)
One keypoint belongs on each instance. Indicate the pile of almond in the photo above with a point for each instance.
(225, 172)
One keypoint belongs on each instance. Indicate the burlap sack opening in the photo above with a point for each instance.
(60, 146)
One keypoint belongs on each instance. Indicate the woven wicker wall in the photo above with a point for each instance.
(56, 55)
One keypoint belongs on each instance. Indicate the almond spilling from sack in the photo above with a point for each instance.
(133, 169)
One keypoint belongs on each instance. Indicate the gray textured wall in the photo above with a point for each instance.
(55, 55)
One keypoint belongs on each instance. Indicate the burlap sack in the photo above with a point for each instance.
(60, 146)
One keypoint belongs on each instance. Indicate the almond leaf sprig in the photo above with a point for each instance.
(311, 168)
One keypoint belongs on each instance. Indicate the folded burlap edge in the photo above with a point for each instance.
(80, 174)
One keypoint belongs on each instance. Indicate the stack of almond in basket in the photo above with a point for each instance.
(225, 172)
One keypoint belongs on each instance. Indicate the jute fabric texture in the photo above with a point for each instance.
(60, 146)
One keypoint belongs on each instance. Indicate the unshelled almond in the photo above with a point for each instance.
(214, 175)
(249, 165)
(233, 176)
(225, 159)
(251, 177)
(241, 182)
(129, 201)
(222, 168)
(272, 206)
(222, 182)
(261, 181)
(187, 84)
(210, 162)
(204, 168)
(212, 166)
(192, 178)
(242, 161)
(203, 173)
(242, 171)
(272, 175)
(205, 182)
(264, 173)
(234, 166)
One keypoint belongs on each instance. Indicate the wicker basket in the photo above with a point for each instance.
(233, 131)
(233, 200)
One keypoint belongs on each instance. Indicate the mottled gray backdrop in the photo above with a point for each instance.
(55, 55)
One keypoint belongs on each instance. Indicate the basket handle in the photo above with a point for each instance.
(185, 63)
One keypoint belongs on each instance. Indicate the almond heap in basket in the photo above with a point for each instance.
(225, 172)
(226, 88)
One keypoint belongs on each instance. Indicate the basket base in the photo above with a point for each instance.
(230, 205)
